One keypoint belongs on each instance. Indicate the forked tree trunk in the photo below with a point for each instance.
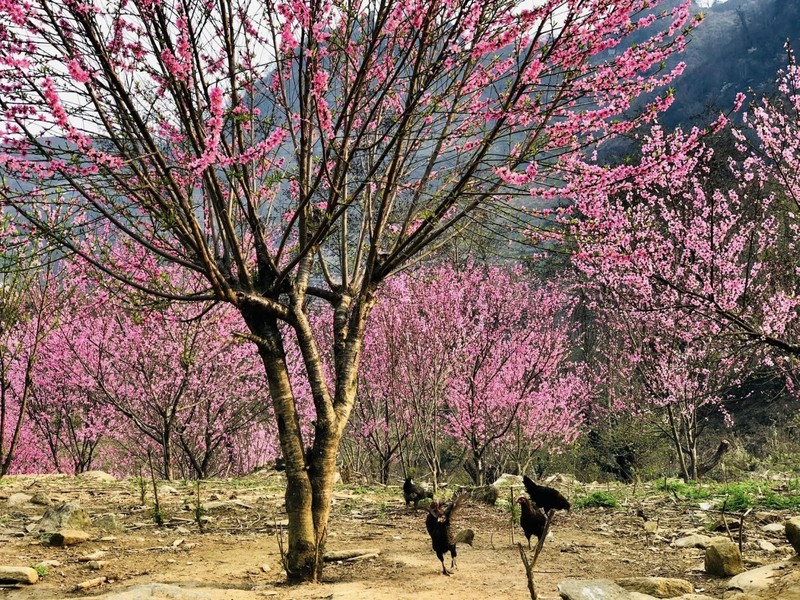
(309, 474)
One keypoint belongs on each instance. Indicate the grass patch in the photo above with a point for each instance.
(41, 570)
(687, 491)
(597, 499)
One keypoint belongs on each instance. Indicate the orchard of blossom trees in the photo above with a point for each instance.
(229, 230)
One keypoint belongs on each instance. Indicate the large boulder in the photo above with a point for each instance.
(660, 587)
(592, 589)
(757, 581)
(64, 516)
(18, 575)
(723, 559)
(793, 533)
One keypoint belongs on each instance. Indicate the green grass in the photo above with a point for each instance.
(737, 497)
(598, 499)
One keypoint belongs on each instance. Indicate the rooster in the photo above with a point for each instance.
(532, 519)
(438, 525)
(414, 493)
(545, 497)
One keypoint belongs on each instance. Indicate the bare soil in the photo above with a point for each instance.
(237, 555)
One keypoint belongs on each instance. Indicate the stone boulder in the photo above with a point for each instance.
(592, 589)
(698, 540)
(18, 499)
(41, 498)
(757, 581)
(64, 516)
(792, 527)
(69, 537)
(723, 559)
(97, 476)
(659, 587)
(507, 480)
(18, 575)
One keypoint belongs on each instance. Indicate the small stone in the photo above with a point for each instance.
(767, 546)
(107, 522)
(265, 568)
(93, 556)
(167, 489)
(18, 499)
(41, 499)
(773, 528)
(793, 533)
(69, 537)
(49, 563)
(592, 589)
(692, 541)
(108, 538)
(660, 587)
(96, 565)
(18, 575)
(97, 476)
(723, 559)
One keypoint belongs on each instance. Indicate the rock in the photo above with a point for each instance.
(18, 499)
(93, 556)
(49, 563)
(660, 587)
(167, 489)
(693, 541)
(69, 537)
(335, 555)
(723, 559)
(96, 565)
(592, 589)
(97, 476)
(42, 499)
(156, 590)
(774, 528)
(757, 580)
(266, 568)
(108, 523)
(793, 533)
(18, 575)
(507, 480)
(766, 546)
(65, 516)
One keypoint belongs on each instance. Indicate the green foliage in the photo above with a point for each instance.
(686, 491)
(598, 499)
(41, 570)
(158, 515)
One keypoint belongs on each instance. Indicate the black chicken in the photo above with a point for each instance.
(414, 493)
(438, 525)
(545, 497)
(532, 519)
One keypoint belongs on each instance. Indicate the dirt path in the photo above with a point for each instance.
(227, 560)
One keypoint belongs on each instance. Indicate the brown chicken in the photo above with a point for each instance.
(438, 524)
(531, 519)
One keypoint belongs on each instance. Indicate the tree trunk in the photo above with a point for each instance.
(308, 483)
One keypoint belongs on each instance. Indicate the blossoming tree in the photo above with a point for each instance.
(296, 150)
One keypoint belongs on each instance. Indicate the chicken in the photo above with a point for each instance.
(439, 528)
(545, 497)
(414, 493)
(532, 519)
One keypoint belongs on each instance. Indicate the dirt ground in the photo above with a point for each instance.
(237, 556)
